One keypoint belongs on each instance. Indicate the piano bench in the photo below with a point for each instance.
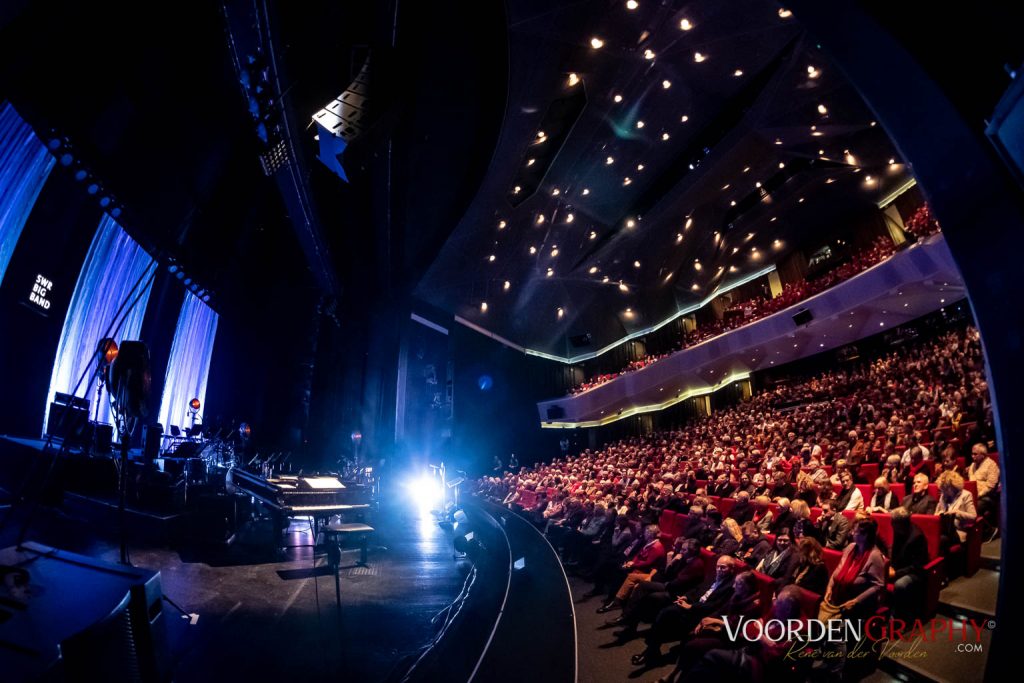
(333, 533)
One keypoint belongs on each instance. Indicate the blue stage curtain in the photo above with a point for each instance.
(114, 264)
(24, 166)
(189, 364)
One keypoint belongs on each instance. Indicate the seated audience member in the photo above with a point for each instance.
(683, 571)
(721, 488)
(611, 555)
(760, 487)
(955, 504)
(835, 528)
(727, 542)
(578, 542)
(882, 500)
(891, 470)
(807, 491)
(754, 545)
(641, 567)
(763, 660)
(785, 517)
(675, 621)
(849, 498)
(918, 502)
(906, 567)
(779, 561)
(743, 510)
(695, 525)
(985, 472)
(809, 572)
(745, 486)
(710, 632)
(802, 524)
(763, 514)
(781, 487)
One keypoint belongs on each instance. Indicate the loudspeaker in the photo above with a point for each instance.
(130, 379)
(151, 447)
(69, 423)
(104, 437)
(803, 317)
(556, 412)
(580, 340)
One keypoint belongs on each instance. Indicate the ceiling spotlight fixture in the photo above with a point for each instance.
(648, 54)
(586, 191)
(622, 287)
(636, 264)
(604, 279)
(679, 237)
(541, 135)
(609, 161)
(596, 43)
(697, 266)
(732, 269)
(593, 235)
(516, 189)
(892, 162)
(737, 73)
(732, 203)
(561, 312)
(684, 118)
(813, 72)
(627, 181)
(554, 251)
(483, 306)
(531, 162)
(570, 218)
(551, 271)
(555, 192)
(784, 13)
(822, 109)
(689, 223)
(491, 258)
(685, 24)
(699, 57)
(617, 98)
(695, 287)
(632, 4)
(664, 136)
(639, 167)
(782, 165)
(639, 124)
(501, 225)
(573, 80)
(593, 269)
(630, 223)
(533, 250)
(507, 285)
(666, 84)
(540, 219)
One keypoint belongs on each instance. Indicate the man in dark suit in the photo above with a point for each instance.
(779, 561)
(785, 518)
(743, 510)
(694, 526)
(918, 502)
(678, 619)
(906, 568)
(835, 528)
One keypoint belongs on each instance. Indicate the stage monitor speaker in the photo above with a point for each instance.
(580, 340)
(68, 423)
(803, 317)
(556, 412)
(104, 437)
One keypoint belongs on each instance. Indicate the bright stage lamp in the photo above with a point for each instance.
(426, 493)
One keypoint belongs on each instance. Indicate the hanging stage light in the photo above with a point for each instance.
(194, 405)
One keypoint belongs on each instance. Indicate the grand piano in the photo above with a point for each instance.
(318, 496)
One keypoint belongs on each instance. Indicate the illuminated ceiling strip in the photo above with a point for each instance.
(427, 323)
(640, 333)
(486, 333)
(639, 410)
(896, 193)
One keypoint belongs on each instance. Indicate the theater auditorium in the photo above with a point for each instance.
(566, 341)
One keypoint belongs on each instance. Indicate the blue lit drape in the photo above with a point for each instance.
(189, 364)
(24, 166)
(114, 264)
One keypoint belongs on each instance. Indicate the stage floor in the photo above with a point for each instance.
(274, 618)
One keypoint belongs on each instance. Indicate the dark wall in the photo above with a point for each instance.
(502, 419)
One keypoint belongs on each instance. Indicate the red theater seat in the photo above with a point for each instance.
(710, 559)
(766, 591)
(725, 505)
(831, 559)
(935, 570)
(869, 472)
(809, 603)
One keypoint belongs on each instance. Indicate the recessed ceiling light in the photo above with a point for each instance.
(679, 238)
(822, 109)
(813, 72)
(892, 162)
(636, 264)
(533, 250)
(737, 73)
(555, 192)
(617, 98)
(784, 13)
(757, 184)
(573, 80)
(639, 167)
(850, 159)
(483, 306)
(632, 4)
(630, 223)
(627, 180)
(726, 186)
(540, 219)
(639, 124)
(491, 258)
(561, 312)
(593, 269)
(508, 285)
(609, 161)
(516, 189)
(570, 218)
(596, 43)
(699, 57)
(732, 203)
(586, 191)
(697, 266)
(830, 181)
(593, 235)
(695, 287)
(551, 271)
(685, 24)
(689, 223)
(622, 287)
(732, 269)
(541, 135)
(800, 201)
(501, 225)
(531, 162)
(554, 252)
(648, 54)
(782, 165)
(684, 118)
(604, 279)
(664, 136)
(666, 84)
(874, 123)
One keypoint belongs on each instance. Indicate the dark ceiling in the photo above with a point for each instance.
(727, 161)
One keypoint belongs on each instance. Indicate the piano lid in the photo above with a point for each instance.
(321, 483)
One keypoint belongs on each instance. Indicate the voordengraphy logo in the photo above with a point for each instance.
(814, 638)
